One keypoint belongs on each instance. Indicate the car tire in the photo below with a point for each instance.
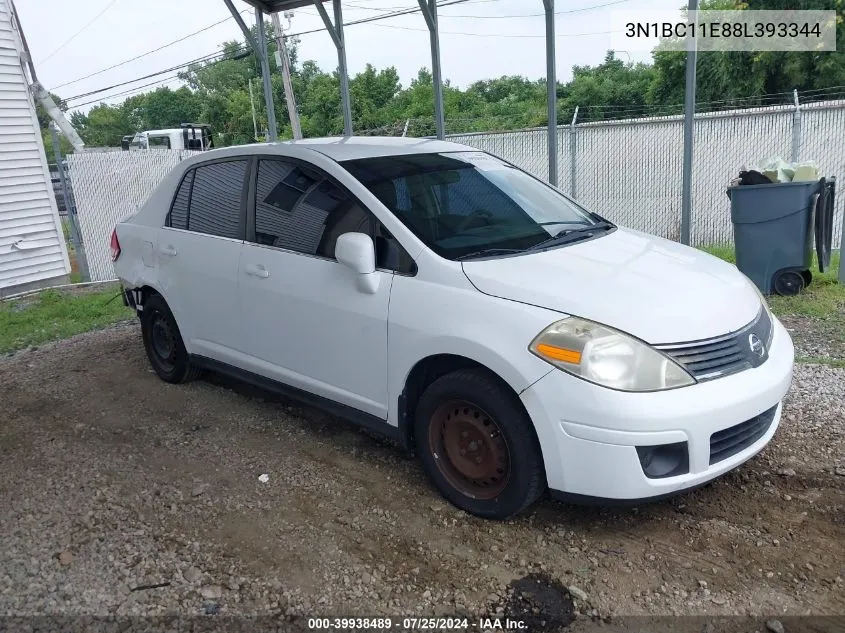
(478, 446)
(163, 343)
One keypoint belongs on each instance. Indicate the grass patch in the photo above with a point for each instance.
(818, 360)
(823, 299)
(722, 252)
(52, 315)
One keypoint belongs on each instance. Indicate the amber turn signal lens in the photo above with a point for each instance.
(559, 354)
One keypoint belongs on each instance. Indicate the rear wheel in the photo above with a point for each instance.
(163, 343)
(478, 446)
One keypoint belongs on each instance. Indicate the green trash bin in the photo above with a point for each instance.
(773, 234)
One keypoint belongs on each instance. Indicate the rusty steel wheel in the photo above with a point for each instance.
(163, 342)
(470, 450)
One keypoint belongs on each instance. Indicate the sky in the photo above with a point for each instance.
(480, 39)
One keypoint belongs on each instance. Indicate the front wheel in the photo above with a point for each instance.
(163, 342)
(478, 446)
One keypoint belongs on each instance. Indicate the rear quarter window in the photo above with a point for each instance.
(178, 216)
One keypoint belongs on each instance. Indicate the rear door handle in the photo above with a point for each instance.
(169, 250)
(257, 270)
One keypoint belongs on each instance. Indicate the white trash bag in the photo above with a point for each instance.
(777, 170)
(806, 171)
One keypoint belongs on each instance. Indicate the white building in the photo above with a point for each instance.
(33, 252)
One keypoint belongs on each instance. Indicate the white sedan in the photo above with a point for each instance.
(516, 341)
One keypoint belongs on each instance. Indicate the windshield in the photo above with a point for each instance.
(466, 204)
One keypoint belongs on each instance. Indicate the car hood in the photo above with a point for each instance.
(658, 290)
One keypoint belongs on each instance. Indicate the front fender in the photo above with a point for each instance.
(490, 331)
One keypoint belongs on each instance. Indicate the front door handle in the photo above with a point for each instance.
(257, 270)
(169, 250)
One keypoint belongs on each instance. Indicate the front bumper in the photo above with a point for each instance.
(589, 434)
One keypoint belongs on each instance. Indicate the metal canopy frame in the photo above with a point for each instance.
(429, 12)
(335, 30)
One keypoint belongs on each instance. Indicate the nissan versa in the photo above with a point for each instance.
(515, 340)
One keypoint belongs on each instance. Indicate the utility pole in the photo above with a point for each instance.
(283, 62)
(40, 94)
(252, 105)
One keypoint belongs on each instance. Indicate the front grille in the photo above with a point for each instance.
(724, 355)
(735, 439)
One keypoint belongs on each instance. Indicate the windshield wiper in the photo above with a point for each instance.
(490, 251)
(572, 235)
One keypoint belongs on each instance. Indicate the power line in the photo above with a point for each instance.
(209, 57)
(518, 35)
(129, 92)
(385, 16)
(155, 50)
(504, 17)
(75, 35)
(399, 12)
(206, 57)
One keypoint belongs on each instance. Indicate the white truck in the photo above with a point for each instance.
(194, 136)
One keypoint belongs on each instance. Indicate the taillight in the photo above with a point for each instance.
(115, 246)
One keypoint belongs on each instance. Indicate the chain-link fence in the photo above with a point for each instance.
(627, 170)
(630, 170)
(107, 188)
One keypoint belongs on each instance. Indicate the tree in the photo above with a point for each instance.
(103, 126)
(609, 90)
(217, 91)
(741, 79)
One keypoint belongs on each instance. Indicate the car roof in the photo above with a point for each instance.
(341, 148)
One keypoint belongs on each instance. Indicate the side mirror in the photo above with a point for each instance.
(357, 252)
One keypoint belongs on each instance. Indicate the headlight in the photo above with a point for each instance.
(607, 357)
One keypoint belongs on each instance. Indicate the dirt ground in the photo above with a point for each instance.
(121, 494)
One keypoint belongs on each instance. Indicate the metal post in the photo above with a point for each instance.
(75, 235)
(272, 132)
(689, 118)
(260, 49)
(252, 106)
(342, 71)
(796, 128)
(573, 190)
(429, 11)
(551, 89)
(284, 64)
(336, 32)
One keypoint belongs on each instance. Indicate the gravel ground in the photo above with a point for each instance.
(122, 494)
(815, 338)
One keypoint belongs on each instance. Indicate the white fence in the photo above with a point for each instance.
(628, 171)
(108, 187)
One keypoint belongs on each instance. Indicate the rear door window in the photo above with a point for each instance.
(217, 199)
